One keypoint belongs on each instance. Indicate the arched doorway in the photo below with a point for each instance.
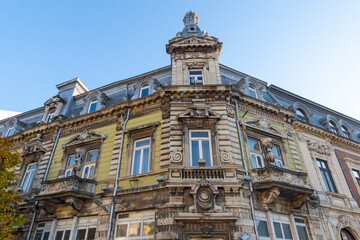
(346, 235)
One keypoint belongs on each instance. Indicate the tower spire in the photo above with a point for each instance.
(191, 28)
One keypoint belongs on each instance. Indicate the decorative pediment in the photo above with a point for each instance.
(84, 137)
(34, 145)
(54, 101)
(196, 43)
(199, 109)
(318, 147)
(262, 125)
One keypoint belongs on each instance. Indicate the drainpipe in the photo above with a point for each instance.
(343, 171)
(246, 169)
(117, 177)
(45, 176)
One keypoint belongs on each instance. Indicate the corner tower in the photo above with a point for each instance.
(194, 55)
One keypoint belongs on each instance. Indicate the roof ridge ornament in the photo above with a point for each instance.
(191, 28)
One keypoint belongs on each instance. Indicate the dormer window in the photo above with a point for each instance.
(92, 105)
(51, 115)
(252, 91)
(10, 130)
(345, 131)
(196, 77)
(144, 91)
(301, 115)
(333, 127)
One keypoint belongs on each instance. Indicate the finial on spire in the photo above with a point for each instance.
(191, 28)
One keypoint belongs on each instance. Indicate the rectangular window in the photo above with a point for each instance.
(326, 175)
(141, 156)
(86, 233)
(42, 231)
(262, 229)
(200, 148)
(356, 175)
(89, 164)
(282, 230)
(62, 234)
(196, 77)
(135, 228)
(69, 166)
(28, 177)
(301, 229)
(255, 153)
(277, 156)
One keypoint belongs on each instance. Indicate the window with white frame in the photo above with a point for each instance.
(92, 105)
(63, 230)
(10, 130)
(63, 234)
(345, 131)
(86, 233)
(50, 116)
(42, 231)
(282, 230)
(252, 91)
(200, 148)
(333, 127)
(70, 165)
(356, 175)
(277, 156)
(89, 164)
(256, 153)
(28, 177)
(262, 228)
(141, 156)
(301, 115)
(144, 90)
(135, 228)
(196, 77)
(301, 229)
(326, 175)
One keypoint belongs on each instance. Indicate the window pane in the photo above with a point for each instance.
(192, 81)
(67, 235)
(32, 167)
(259, 162)
(92, 107)
(199, 134)
(277, 228)
(262, 228)
(134, 229)
(330, 182)
(195, 72)
(195, 153)
(38, 235)
(276, 151)
(356, 174)
(252, 93)
(25, 181)
(91, 234)
(145, 163)
(148, 228)
(254, 144)
(136, 167)
(287, 231)
(81, 234)
(71, 160)
(91, 156)
(302, 233)
(86, 173)
(145, 92)
(91, 174)
(121, 230)
(206, 152)
(46, 236)
(142, 143)
(325, 181)
(59, 235)
(253, 161)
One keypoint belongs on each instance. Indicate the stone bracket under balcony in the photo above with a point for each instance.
(274, 182)
(71, 190)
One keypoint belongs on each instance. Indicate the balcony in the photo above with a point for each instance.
(275, 182)
(197, 173)
(72, 190)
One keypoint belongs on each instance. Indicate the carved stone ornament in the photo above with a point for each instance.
(262, 125)
(225, 154)
(199, 109)
(34, 145)
(75, 203)
(206, 229)
(269, 196)
(79, 159)
(120, 121)
(298, 201)
(176, 155)
(318, 148)
(55, 103)
(344, 220)
(85, 136)
(48, 207)
(204, 194)
(165, 108)
(230, 112)
(268, 153)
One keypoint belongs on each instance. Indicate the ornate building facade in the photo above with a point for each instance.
(194, 150)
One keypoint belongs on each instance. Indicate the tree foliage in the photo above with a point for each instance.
(9, 216)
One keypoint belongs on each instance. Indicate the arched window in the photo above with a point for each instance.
(92, 105)
(51, 115)
(345, 132)
(252, 91)
(144, 90)
(346, 235)
(301, 115)
(333, 127)
(10, 130)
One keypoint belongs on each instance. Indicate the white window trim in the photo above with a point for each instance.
(69, 168)
(256, 153)
(45, 229)
(141, 155)
(200, 146)
(278, 159)
(29, 179)
(252, 88)
(89, 164)
(10, 130)
(197, 76)
(302, 225)
(87, 230)
(128, 221)
(282, 230)
(64, 230)
(50, 116)
(94, 100)
(143, 87)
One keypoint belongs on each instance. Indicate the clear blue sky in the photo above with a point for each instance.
(311, 48)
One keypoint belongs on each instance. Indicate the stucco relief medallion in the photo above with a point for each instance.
(176, 155)
(225, 154)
